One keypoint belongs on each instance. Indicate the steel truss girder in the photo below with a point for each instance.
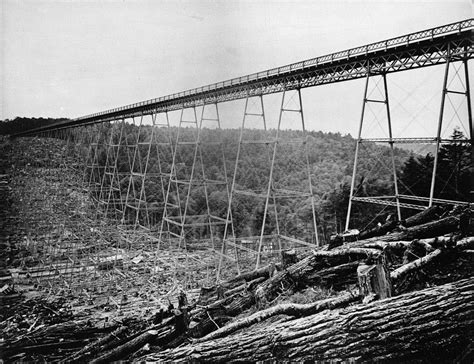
(344, 71)
(416, 50)
(268, 191)
(438, 140)
(179, 220)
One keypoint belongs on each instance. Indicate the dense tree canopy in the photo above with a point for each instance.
(20, 124)
(330, 159)
(453, 172)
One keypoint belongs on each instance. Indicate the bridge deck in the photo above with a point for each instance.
(415, 50)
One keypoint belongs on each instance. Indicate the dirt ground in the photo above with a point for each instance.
(60, 265)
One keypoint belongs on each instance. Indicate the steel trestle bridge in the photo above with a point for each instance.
(179, 177)
(416, 50)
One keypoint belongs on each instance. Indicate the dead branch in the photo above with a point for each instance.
(290, 309)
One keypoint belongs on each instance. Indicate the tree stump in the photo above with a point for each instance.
(182, 300)
(374, 280)
(288, 257)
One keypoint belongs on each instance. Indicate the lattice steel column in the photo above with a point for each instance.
(105, 180)
(390, 140)
(92, 143)
(470, 121)
(274, 193)
(136, 208)
(185, 221)
(110, 192)
(448, 92)
(114, 196)
(97, 165)
(158, 168)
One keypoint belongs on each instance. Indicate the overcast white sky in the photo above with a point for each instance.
(71, 58)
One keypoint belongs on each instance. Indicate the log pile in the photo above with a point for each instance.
(421, 325)
(406, 295)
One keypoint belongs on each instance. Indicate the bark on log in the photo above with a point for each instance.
(400, 246)
(378, 230)
(266, 272)
(427, 230)
(290, 309)
(126, 349)
(210, 294)
(415, 250)
(431, 213)
(430, 231)
(247, 286)
(94, 347)
(466, 243)
(337, 277)
(433, 324)
(212, 317)
(378, 244)
(399, 273)
(295, 274)
(41, 348)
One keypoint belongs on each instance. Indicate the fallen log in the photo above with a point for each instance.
(247, 286)
(337, 277)
(433, 324)
(173, 331)
(41, 348)
(435, 228)
(323, 268)
(420, 270)
(210, 318)
(424, 217)
(266, 272)
(400, 272)
(431, 213)
(289, 309)
(233, 285)
(126, 349)
(378, 244)
(416, 249)
(429, 230)
(466, 243)
(94, 347)
(399, 247)
(378, 230)
(431, 233)
(296, 274)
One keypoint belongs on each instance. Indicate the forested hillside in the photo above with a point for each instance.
(330, 159)
(20, 124)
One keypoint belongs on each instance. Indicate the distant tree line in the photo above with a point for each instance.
(19, 124)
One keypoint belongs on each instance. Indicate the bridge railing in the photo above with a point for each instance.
(353, 52)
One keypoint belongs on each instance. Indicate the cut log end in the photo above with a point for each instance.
(374, 280)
